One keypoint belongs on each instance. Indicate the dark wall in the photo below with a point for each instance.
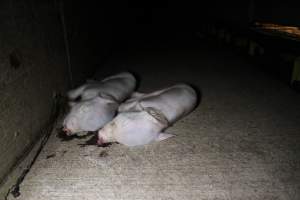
(97, 28)
(32, 69)
(282, 12)
(89, 29)
(237, 12)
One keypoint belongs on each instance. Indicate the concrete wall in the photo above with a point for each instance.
(32, 67)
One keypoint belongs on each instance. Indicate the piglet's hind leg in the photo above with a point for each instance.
(163, 136)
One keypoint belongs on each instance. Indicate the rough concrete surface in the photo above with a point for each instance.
(242, 141)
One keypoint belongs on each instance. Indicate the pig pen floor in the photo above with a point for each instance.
(242, 141)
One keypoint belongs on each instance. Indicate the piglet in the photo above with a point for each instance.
(119, 87)
(98, 103)
(143, 118)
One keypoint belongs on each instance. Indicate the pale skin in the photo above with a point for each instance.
(89, 115)
(143, 118)
(118, 87)
(98, 104)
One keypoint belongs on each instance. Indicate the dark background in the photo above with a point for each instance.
(97, 29)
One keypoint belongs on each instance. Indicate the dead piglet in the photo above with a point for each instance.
(99, 101)
(141, 120)
(118, 87)
(89, 115)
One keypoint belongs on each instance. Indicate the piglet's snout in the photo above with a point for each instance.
(66, 130)
(100, 141)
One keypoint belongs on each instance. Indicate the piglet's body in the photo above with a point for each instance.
(142, 118)
(117, 87)
(98, 103)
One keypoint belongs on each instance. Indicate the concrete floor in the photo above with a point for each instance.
(242, 141)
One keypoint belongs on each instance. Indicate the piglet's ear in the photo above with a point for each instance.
(137, 95)
(108, 97)
(163, 136)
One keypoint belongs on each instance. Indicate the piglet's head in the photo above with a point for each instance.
(106, 134)
(89, 115)
(131, 129)
(67, 131)
(70, 125)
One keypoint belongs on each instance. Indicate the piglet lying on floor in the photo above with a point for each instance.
(99, 101)
(117, 87)
(142, 118)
